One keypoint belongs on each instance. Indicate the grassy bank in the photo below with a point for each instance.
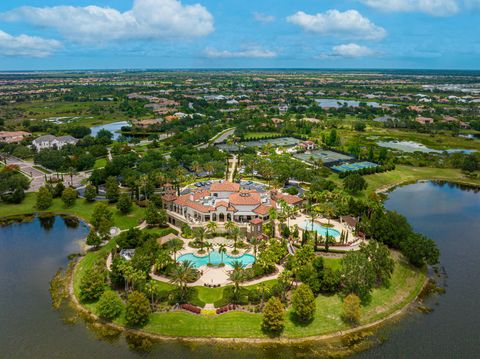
(82, 209)
(406, 284)
(406, 174)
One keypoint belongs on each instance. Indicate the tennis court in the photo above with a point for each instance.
(347, 167)
(275, 142)
(325, 156)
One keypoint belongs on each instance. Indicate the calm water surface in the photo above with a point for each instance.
(30, 254)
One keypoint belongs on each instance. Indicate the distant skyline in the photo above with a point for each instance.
(172, 34)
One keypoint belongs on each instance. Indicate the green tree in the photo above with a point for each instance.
(12, 186)
(112, 189)
(358, 276)
(380, 260)
(303, 304)
(351, 309)
(44, 198)
(181, 275)
(124, 204)
(137, 310)
(109, 305)
(273, 321)
(420, 250)
(69, 196)
(102, 220)
(354, 183)
(93, 239)
(90, 193)
(154, 216)
(92, 284)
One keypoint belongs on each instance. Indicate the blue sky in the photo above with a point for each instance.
(101, 34)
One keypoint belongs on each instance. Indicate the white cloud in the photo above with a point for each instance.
(264, 18)
(28, 46)
(430, 7)
(256, 52)
(352, 50)
(148, 19)
(349, 24)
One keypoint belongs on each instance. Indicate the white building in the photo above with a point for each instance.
(50, 141)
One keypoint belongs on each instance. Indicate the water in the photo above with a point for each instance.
(451, 216)
(321, 230)
(337, 103)
(113, 127)
(30, 255)
(411, 146)
(216, 259)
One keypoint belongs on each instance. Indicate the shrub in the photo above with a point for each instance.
(92, 285)
(44, 198)
(124, 204)
(69, 196)
(351, 309)
(138, 309)
(273, 321)
(303, 304)
(109, 306)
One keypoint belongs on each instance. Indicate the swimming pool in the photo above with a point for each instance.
(321, 230)
(216, 259)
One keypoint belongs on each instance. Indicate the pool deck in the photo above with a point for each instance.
(353, 241)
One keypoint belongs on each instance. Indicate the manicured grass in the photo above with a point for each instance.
(257, 135)
(405, 174)
(209, 295)
(406, 284)
(332, 263)
(100, 163)
(82, 209)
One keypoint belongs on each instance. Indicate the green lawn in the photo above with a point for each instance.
(81, 209)
(100, 163)
(405, 285)
(406, 174)
(256, 135)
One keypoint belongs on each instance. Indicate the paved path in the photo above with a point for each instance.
(232, 166)
(37, 178)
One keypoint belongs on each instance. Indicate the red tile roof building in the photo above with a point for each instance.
(224, 201)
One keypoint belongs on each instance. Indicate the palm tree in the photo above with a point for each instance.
(264, 290)
(236, 276)
(235, 232)
(209, 168)
(199, 234)
(209, 247)
(229, 226)
(255, 243)
(272, 214)
(151, 289)
(196, 167)
(211, 226)
(175, 245)
(222, 249)
(183, 274)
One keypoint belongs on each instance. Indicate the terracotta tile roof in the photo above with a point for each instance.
(245, 198)
(221, 203)
(256, 221)
(225, 187)
(262, 210)
(290, 199)
(169, 197)
(185, 201)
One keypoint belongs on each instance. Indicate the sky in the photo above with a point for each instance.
(173, 34)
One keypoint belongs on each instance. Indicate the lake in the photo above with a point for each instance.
(411, 147)
(31, 253)
(113, 127)
(337, 103)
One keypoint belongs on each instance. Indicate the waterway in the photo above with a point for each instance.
(31, 253)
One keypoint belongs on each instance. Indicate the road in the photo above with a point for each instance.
(37, 178)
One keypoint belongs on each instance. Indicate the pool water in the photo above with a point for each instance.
(321, 230)
(216, 259)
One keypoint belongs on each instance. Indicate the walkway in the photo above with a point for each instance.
(232, 166)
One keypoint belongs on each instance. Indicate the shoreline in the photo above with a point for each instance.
(225, 340)
(390, 187)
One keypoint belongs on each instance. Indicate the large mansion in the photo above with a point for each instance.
(222, 202)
